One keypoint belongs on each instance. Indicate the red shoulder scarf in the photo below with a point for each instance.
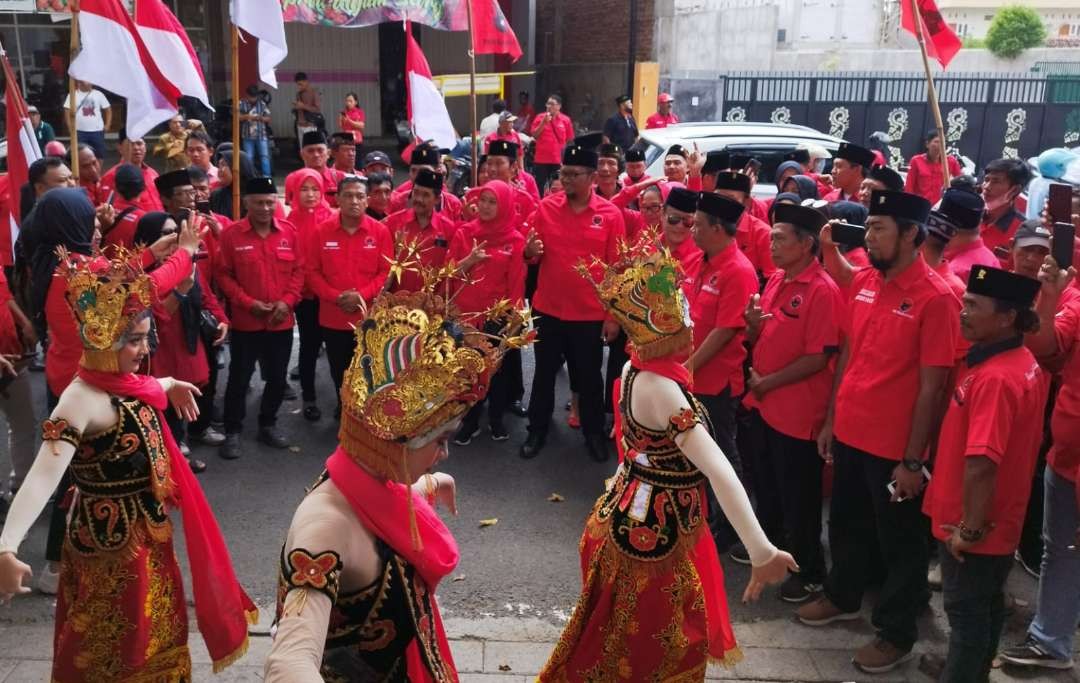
(222, 608)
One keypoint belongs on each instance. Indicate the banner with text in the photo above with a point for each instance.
(447, 15)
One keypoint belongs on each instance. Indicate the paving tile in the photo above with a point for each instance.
(31, 671)
(770, 663)
(30, 642)
(491, 678)
(6, 667)
(789, 633)
(234, 674)
(522, 658)
(258, 649)
(835, 665)
(468, 655)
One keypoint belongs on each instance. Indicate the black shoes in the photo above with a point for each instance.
(312, 412)
(534, 443)
(465, 434)
(519, 410)
(498, 431)
(230, 450)
(738, 554)
(290, 393)
(597, 447)
(272, 438)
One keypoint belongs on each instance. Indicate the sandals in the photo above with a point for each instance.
(197, 466)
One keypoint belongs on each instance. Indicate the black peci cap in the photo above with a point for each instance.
(504, 148)
(901, 205)
(738, 161)
(1001, 284)
(575, 155)
(260, 185)
(423, 155)
(887, 177)
(855, 154)
(940, 226)
(166, 183)
(715, 161)
(609, 151)
(805, 218)
(635, 154)
(682, 199)
(733, 180)
(313, 137)
(801, 156)
(720, 206)
(677, 150)
(429, 179)
(964, 209)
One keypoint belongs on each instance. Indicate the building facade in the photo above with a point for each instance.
(972, 18)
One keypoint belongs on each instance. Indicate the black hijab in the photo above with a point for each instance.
(148, 230)
(221, 198)
(62, 217)
(806, 186)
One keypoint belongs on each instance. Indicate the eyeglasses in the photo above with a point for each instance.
(674, 220)
(651, 207)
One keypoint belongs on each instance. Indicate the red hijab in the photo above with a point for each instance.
(306, 220)
(496, 231)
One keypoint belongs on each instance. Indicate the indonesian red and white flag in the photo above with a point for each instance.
(170, 47)
(22, 150)
(491, 31)
(264, 20)
(114, 57)
(427, 109)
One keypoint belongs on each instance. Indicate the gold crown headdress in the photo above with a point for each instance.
(642, 291)
(105, 295)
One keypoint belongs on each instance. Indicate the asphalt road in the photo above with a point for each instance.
(525, 565)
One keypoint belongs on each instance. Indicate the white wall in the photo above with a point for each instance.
(909, 60)
(975, 22)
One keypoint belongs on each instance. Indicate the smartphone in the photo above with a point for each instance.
(1064, 237)
(109, 200)
(1059, 203)
(182, 215)
(848, 234)
(203, 207)
(891, 486)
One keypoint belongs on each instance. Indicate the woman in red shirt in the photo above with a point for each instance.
(352, 121)
(924, 173)
(490, 252)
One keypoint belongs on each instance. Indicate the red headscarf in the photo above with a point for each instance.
(494, 232)
(222, 608)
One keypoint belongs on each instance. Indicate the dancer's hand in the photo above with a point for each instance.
(182, 397)
(12, 573)
(772, 572)
(446, 491)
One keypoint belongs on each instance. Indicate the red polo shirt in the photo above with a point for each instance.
(658, 120)
(995, 412)
(338, 261)
(690, 257)
(924, 176)
(122, 233)
(806, 313)
(550, 142)
(570, 238)
(94, 192)
(449, 205)
(1064, 455)
(755, 241)
(962, 258)
(433, 241)
(722, 288)
(148, 201)
(254, 268)
(513, 136)
(998, 233)
(958, 287)
(500, 276)
(892, 329)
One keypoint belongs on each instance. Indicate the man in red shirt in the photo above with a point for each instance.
(134, 152)
(1003, 182)
(504, 132)
(1049, 642)
(426, 158)
(985, 457)
(349, 261)
(569, 228)
(899, 349)
(753, 234)
(851, 164)
(967, 248)
(261, 272)
(721, 291)
(663, 117)
(343, 153)
(677, 165)
(795, 332)
(941, 228)
(635, 167)
(421, 229)
(90, 175)
(552, 131)
(924, 170)
(880, 178)
(315, 154)
(130, 188)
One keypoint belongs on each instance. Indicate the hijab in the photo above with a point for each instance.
(63, 217)
(306, 220)
(849, 212)
(221, 198)
(805, 185)
(149, 230)
(495, 231)
(787, 165)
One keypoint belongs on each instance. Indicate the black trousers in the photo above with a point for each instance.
(543, 173)
(340, 345)
(616, 360)
(271, 350)
(721, 410)
(209, 394)
(974, 596)
(860, 515)
(500, 394)
(788, 485)
(311, 339)
(580, 345)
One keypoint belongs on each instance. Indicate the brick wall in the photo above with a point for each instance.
(591, 31)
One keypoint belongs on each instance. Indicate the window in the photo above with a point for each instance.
(781, 35)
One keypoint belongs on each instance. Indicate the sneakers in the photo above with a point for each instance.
(821, 612)
(880, 656)
(230, 448)
(738, 554)
(210, 437)
(498, 431)
(517, 409)
(1032, 653)
(795, 590)
(49, 581)
(466, 434)
(933, 577)
(272, 437)
(1033, 570)
(184, 450)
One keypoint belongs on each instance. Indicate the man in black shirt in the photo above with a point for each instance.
(621, 129)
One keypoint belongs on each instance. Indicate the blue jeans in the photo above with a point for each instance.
(1058, 606)
(96, 140)
(258, 149)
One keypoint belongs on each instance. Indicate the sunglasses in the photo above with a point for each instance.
(676, 220)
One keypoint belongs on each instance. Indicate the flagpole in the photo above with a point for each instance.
(932, 92)
(73, 48)
(472, 96)
(236, 122)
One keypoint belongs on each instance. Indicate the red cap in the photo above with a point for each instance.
(665, 97)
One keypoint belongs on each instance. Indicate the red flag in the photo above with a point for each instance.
(941, 42)
(491, 31)
(22, 150)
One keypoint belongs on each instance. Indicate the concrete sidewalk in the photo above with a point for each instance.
(512, 650)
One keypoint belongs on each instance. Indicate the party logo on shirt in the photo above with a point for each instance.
(597, 221)
(795, 302)
(284, 244)
(369, 242)
(904, 309)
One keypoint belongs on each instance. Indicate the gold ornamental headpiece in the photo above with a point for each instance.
(105, 295)
(642, 291)
(417, 368)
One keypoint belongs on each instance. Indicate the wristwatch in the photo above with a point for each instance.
(912, 465)
(968, 534)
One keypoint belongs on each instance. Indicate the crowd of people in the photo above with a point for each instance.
(911, 342)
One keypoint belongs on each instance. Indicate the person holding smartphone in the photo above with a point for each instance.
(899, 350)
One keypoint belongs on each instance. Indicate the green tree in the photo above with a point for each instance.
(1014, 30)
